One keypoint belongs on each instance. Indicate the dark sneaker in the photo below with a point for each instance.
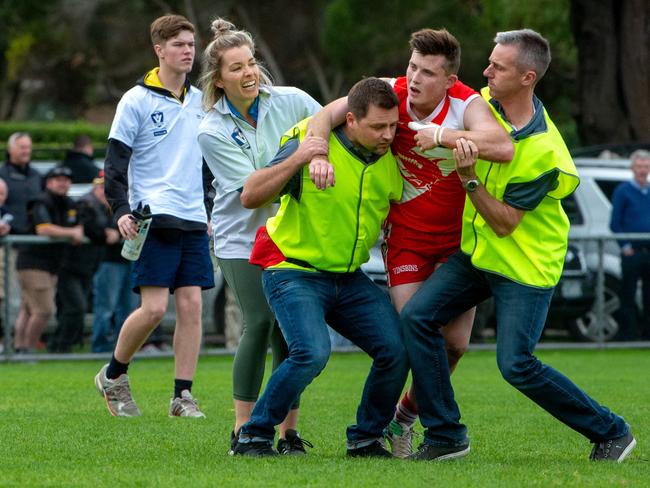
(234, 438)
(427, 452)
(376, 449)
(613, 449)
(293, 444)
(255, 449)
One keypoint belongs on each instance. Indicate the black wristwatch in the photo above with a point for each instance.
(471, 185)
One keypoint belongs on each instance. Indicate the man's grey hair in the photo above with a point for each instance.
(534, 50)
(639, 154)
(15, 136)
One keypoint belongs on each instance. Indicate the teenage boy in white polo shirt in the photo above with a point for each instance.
(153, 158)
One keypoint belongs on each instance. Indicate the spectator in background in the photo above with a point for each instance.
(631, 213)
(53, 214)
(113, 298)
(23, 182)
(5, 216)
(80, 160)
(79, 266)
(5, 228)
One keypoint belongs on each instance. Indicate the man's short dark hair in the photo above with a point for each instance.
(168, 26)
(370, 91)
(429, 42)
(82, 141)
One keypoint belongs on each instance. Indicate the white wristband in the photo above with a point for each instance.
(439, 135)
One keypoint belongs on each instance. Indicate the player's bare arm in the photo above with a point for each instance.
(483, 130)
(501, 217)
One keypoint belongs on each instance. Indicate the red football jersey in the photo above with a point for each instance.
(433, 198)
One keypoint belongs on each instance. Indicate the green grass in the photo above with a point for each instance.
(55, 430)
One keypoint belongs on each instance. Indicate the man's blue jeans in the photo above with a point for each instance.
(520, 313)
(635, 268)
(304, 303)
(113, 301)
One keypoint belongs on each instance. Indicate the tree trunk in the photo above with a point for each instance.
(264, 49)
(635, 65)
(612, 38)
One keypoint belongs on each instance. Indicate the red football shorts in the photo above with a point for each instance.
(411, 257)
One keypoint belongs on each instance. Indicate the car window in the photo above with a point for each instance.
(572, 210)
(607, 187)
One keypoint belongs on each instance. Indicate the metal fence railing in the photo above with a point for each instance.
(599, 242)
(8, 242)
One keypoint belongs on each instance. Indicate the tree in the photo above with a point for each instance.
(613, 40)
(370, 37)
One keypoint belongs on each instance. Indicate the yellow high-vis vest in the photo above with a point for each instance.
(533, 254)
(333, 230)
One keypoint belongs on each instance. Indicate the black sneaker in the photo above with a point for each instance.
(613, 449)
(292, 444)
(255, 448)
(376, 449)
(234, 439)
(427, 452)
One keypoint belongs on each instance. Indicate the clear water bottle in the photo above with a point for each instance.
(132, 247)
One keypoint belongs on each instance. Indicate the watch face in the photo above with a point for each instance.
(471, 185)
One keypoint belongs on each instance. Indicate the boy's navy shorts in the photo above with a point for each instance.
(173, 258)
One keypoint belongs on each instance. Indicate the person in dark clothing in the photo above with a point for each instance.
(78, 268)
(5, 228)
(80, 160)
(5, 217)
(53, 214)
(630, 205)
(23, 181)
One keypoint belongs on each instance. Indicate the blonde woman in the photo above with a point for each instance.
(246, 116)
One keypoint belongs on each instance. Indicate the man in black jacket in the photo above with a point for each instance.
(78, 268)
(23, 181)
(80, 160)
(53, 214)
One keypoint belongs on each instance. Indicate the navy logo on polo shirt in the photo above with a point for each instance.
(240, 138)
(158, 120)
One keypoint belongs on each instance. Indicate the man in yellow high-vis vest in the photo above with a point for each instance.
(514, 239)
(312, 251)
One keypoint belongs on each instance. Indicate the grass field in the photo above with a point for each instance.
(56, 431)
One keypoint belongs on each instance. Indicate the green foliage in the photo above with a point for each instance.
(51, 139)
(22, 27)
(17, 54)
(57, 431)
(55, 132)
(370, 38)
